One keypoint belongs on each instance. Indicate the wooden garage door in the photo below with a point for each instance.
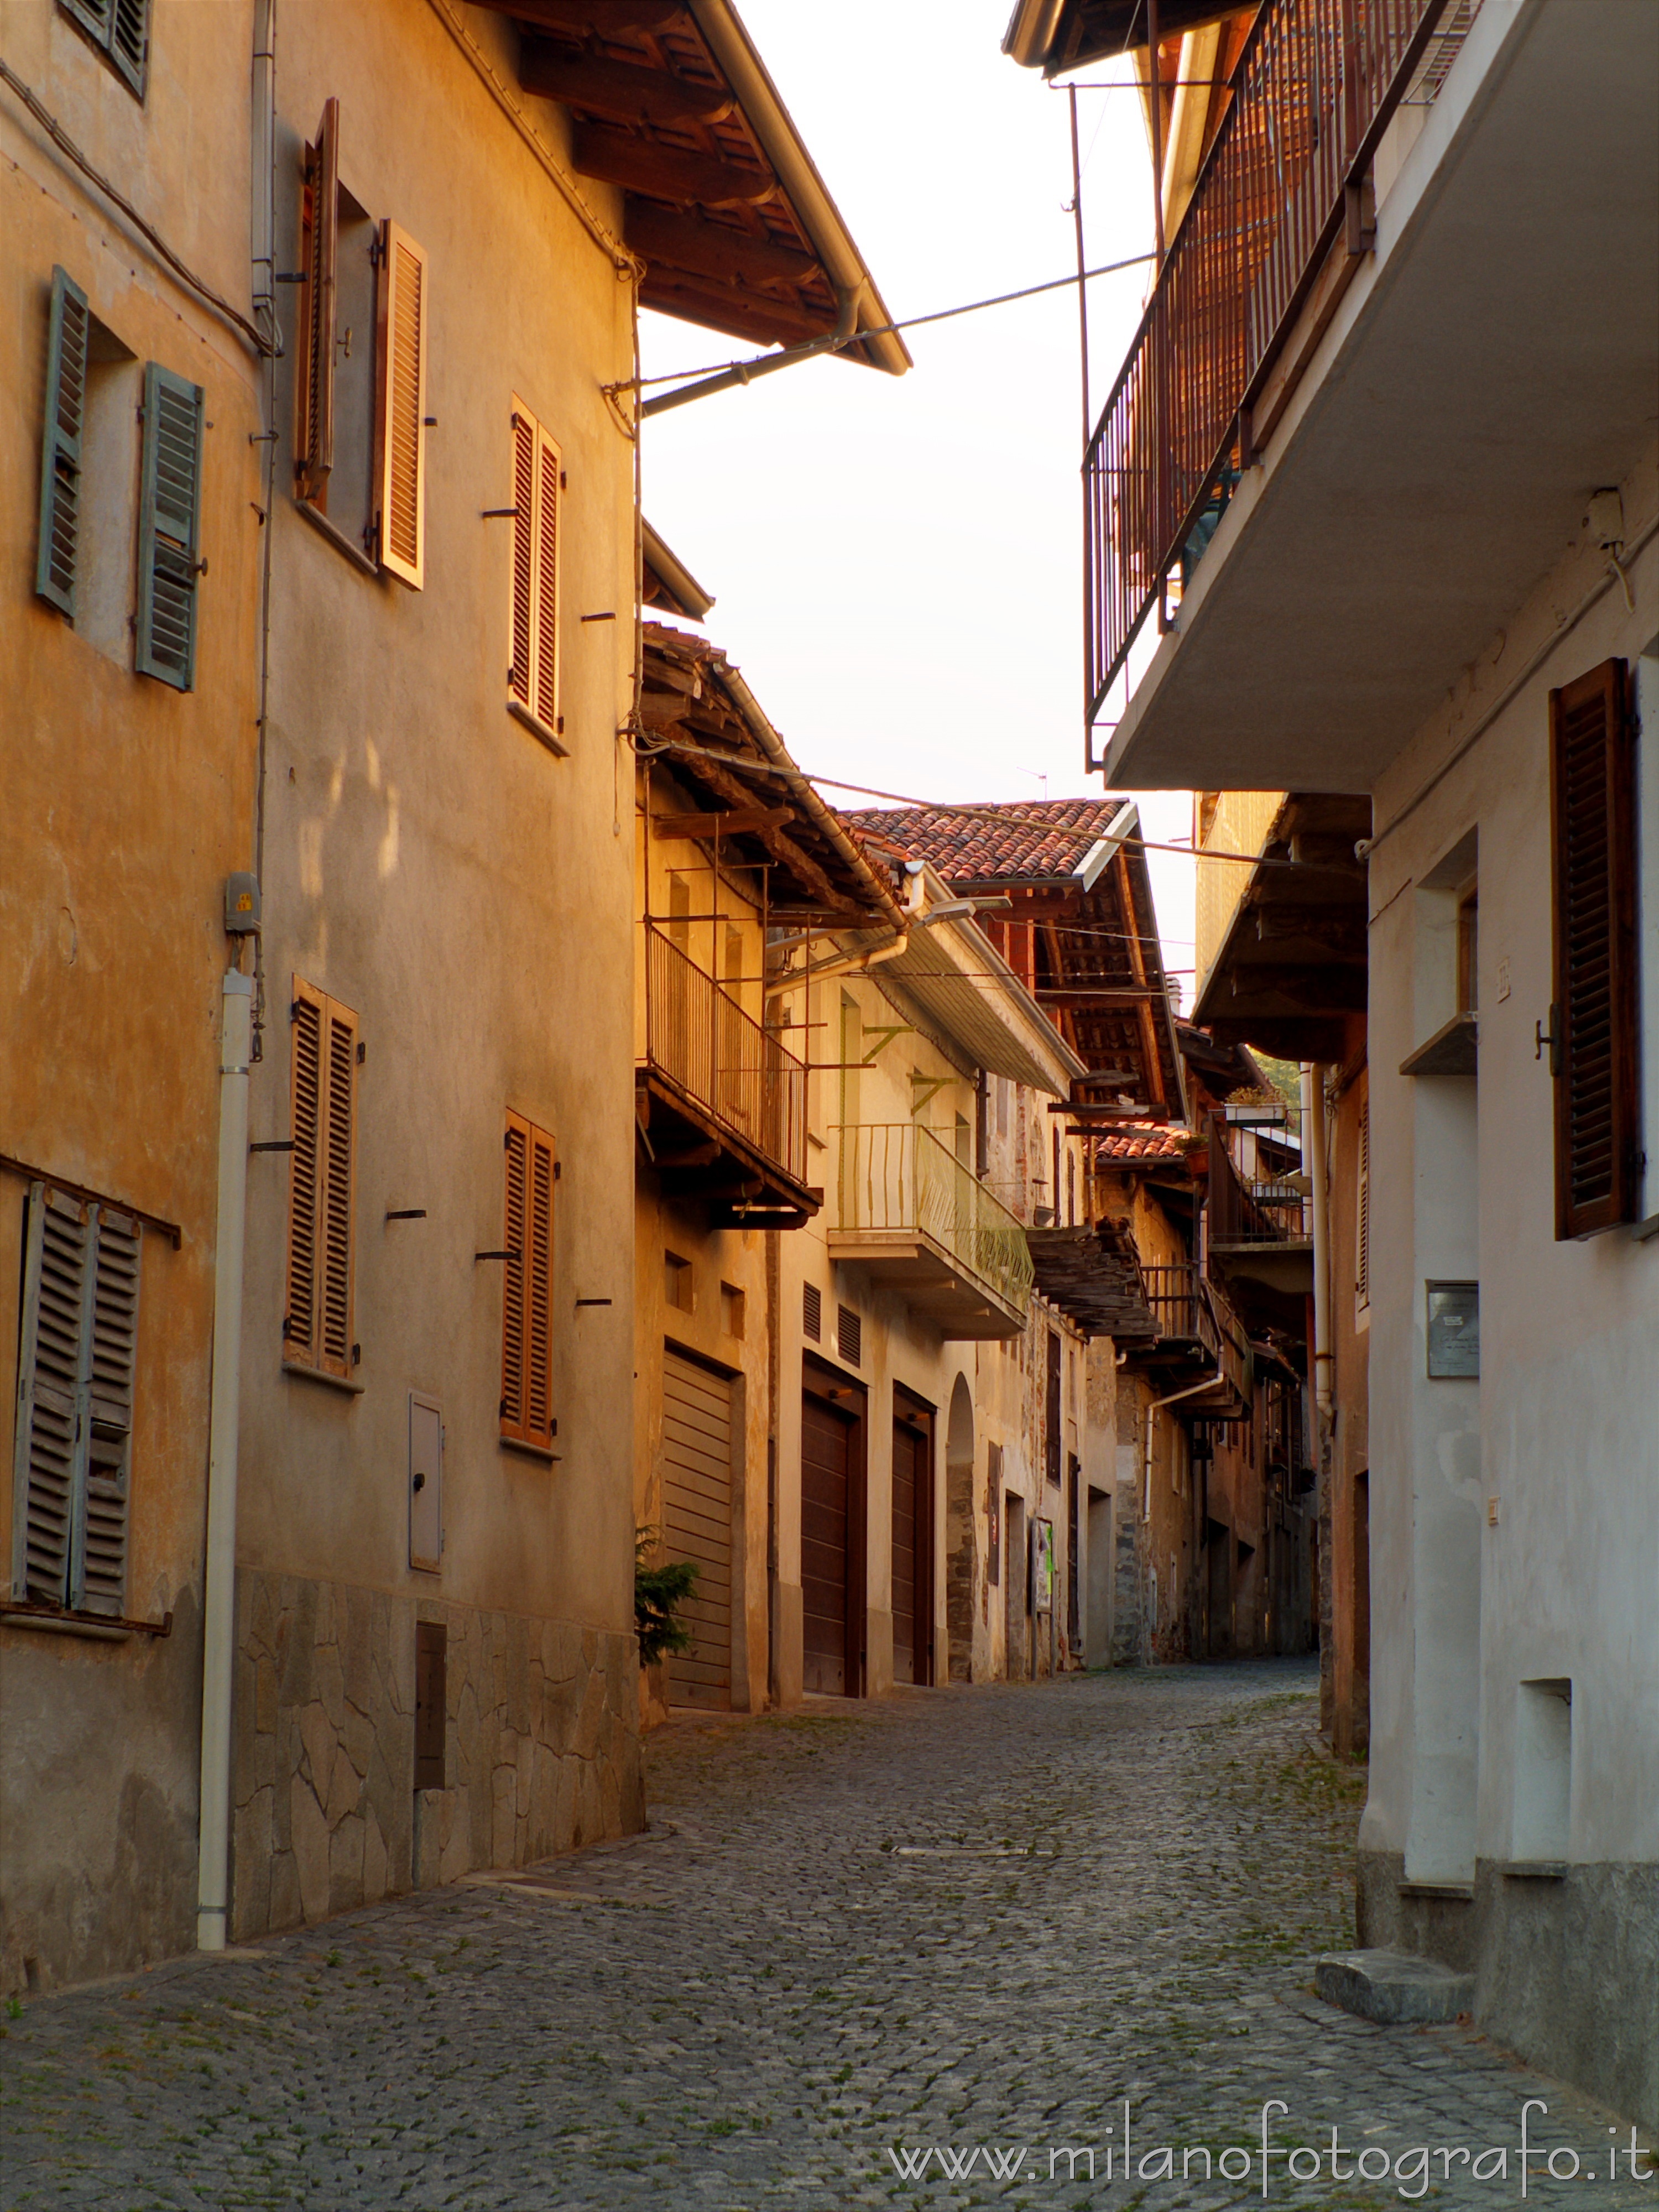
(826, 1473)
(912, 1562)
(697, 1506)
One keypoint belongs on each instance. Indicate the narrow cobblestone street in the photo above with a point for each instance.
(969, 1922)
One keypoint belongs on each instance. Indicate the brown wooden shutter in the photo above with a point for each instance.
(400, 426)
(1362, 1280)
(526, 1411)
(300, 1330)
(1593, 1019)
(317, 1327)
(512, 1344)
(521, 648)
(313, 383)
(99, 1577)
(547, 582)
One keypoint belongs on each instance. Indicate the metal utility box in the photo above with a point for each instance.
(425, 1483)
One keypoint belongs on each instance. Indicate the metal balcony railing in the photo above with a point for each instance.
(897, 1176)
(1256, 1194)
(1188, 1310)
(719, 1058)
(1312, 94)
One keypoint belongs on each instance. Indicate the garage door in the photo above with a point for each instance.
(826, 1462)
(912, 1575)
(697, 1504)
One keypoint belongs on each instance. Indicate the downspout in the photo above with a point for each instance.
(219, 1607)
(1313, 1123)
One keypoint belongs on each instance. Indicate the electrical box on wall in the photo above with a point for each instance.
(241, 904)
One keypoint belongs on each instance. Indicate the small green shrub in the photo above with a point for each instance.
(659, 1592)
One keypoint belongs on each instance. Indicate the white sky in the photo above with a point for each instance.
(897, 561)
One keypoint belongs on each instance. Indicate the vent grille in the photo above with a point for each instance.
(811, 1313)
(849, 1335)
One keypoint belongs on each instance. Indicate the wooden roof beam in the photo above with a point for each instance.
(663, 172)
(614, 90)
(603, 18)
(710, 249)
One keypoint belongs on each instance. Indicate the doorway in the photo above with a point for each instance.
(1016, 1588)
(913, 1538)
(696, 1510)
(832, 1532)
(961, 1546)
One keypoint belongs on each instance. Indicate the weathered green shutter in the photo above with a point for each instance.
(122, 28)
(129, 43)
(72, 1467)
(60, 449)
(98, 1562)
(56, 1248)
(169, 509)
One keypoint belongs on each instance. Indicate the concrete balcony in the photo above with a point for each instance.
(913, 1217)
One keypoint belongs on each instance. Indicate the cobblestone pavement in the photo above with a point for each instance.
(962, 1922)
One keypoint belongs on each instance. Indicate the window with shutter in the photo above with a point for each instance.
(318, 1321)
(533, 675)
(75, 1377)
(320, 246)
(56, 556)
(400, 426)
(526, 1407)
(1362, 1273)
(1594, 1026)
(119, 28)
(169, 520)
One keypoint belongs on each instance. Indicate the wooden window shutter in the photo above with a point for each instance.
(169, 512)
(317, 1327)
(548, 471)
(400, 425)
(526, 1409)
(520, 674)
(313, 384)
(73, 1440)
(1594, 1019)
(68, 329)
(129, 43)
(1362, 1273)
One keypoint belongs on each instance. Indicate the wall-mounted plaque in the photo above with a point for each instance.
(1454, 1331)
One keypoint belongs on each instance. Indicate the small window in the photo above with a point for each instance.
(77, 1372)
(526, 1409)
(849, 1335)
(732, 1303)
(319, 1321)
(678, 1284)
(812, 1311)
(533, 673)
(120, 31)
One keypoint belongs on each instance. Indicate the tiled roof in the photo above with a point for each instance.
(1144, 1140)
(1045, 839)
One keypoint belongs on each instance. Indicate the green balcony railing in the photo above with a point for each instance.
(898, 1176)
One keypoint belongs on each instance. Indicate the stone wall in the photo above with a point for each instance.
(542, 1751)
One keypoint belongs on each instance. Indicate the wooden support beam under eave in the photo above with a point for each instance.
(711, 249)
(605, 17)
(662, 173)
(613, 89)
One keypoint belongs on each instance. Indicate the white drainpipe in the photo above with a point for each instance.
(219, 1605)
(1313, 1133)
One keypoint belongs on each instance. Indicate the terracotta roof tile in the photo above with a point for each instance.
(1145, 1140)
(1047, 838)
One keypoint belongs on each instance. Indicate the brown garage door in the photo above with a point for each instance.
(913, 1518)
(826, 1506)
(696, 1507)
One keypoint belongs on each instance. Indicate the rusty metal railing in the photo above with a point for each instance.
(1313, 91)
(1191, 1311)
(1256, 1186)
(720, 1059)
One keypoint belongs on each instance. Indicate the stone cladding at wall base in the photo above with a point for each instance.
(541, 1751)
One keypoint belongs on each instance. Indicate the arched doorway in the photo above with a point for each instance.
(961, 1545)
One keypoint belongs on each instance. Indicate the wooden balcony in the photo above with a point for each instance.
(1260, 1210)
(911, 1215)
(721, 1103)
(1198, 1341)
(1284, 191)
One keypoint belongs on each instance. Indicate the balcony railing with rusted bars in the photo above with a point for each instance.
(1312, 94)
(1189, 1311)
(720, 1060)
(897, 1176)
(1258, 1193)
